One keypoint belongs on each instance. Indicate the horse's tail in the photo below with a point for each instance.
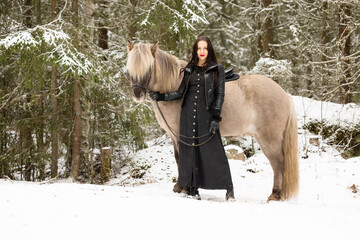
(290, 185)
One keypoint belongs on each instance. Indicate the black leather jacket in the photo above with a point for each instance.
(215, 94)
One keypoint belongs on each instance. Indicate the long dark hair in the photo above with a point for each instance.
(210, 58)
(211, 53)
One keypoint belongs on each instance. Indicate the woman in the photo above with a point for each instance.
(202, 159)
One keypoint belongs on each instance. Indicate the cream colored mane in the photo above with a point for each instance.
(165, 67)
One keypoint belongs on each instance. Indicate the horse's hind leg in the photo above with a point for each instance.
(272, 149)
(176, 187)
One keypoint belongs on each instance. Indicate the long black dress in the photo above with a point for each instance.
(205, 166)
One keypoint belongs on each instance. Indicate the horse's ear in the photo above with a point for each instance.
(129, 46)
(154, 48)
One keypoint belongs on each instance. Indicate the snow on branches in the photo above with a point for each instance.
(54, 45)
(275, 69)
(191, 12)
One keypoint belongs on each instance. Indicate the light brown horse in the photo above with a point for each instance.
(254, 105)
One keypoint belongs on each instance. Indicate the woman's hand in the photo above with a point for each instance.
(214, 126)
(214, 123)
(156, 96)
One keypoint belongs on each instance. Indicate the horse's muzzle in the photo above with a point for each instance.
(139, 94)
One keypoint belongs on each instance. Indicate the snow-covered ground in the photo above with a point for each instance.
(146, 208)
(345, 115)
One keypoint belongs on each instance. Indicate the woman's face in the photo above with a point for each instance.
(202, 51)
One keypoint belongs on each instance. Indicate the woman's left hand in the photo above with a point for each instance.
(214, 126)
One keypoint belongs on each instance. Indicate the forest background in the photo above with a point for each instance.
(65, 96)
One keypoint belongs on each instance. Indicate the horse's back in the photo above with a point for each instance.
(253, 102)
(263, 92)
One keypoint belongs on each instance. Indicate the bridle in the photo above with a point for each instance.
(146, 86)
(146, 89)
(139, 86)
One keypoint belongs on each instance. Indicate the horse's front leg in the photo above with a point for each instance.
(176, 187)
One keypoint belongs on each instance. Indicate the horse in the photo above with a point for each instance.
(254, 105)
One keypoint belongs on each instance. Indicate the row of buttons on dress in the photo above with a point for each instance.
(196, 96)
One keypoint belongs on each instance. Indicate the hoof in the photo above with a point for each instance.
(231, 200)
(184, 193)
(191, 193)
(176, 188)
(229, 196)
(275, 196)
(196, 197)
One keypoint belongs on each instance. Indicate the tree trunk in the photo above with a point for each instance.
(28, 145)
(133, 27)
(258, 29)
(54, 121)
(325, 39)
(105, 164)
(267, 31)
(295, 77)
(41, 159)
(26, 129)
(89, 8)
(308, 79)
(103, 31)
(75, 160)
(38, 12)
(54, 111)
(28, 13)
(86, 94)
(53, 9)
(103, 36)
(256, 40)
(4, 163)
(345, 40)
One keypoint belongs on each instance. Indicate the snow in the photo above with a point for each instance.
(295, 32)
(237, 148)
(146, 208)
(345, 115)
(61, 49)
(25, 38)
(194, 12)
(272, 68)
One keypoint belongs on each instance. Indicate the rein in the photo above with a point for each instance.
(172, 130)
(176, 135)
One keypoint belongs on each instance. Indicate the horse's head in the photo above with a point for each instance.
(140, 66)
